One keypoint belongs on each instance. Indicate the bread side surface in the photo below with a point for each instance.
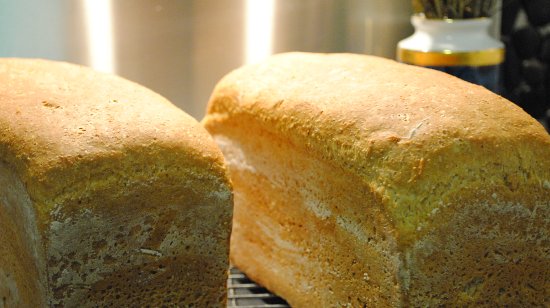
(298, 232)
(129, 193)
(440, 154)
(22, 269)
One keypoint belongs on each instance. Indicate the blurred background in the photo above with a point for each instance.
(181, 48)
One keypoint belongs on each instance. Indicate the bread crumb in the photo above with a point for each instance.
(150, 252)
(415, 129)
(50, 104)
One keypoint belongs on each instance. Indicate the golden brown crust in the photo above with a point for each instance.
(55, 115)
(115, 173)
(435, 150)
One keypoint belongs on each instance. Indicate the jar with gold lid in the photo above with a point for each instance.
(460, 47)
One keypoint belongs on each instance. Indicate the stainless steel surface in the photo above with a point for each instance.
(180, 49)
(384, 23)
(243, 292)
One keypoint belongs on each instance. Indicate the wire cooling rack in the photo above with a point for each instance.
(245, 293)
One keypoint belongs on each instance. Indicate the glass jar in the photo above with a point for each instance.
(460, 47)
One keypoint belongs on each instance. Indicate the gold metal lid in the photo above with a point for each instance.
(484, 57)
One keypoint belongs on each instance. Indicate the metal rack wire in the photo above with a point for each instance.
(245, 293)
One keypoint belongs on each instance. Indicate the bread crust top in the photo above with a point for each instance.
(418, 137)
(70, 123)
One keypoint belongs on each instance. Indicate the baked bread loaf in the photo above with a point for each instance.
(109, 194)
(362, 182)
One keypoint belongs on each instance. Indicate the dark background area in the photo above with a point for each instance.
(525, 31)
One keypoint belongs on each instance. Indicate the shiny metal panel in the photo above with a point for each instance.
(180, 49)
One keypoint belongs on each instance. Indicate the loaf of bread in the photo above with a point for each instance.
(362, 182)
(110, 196)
